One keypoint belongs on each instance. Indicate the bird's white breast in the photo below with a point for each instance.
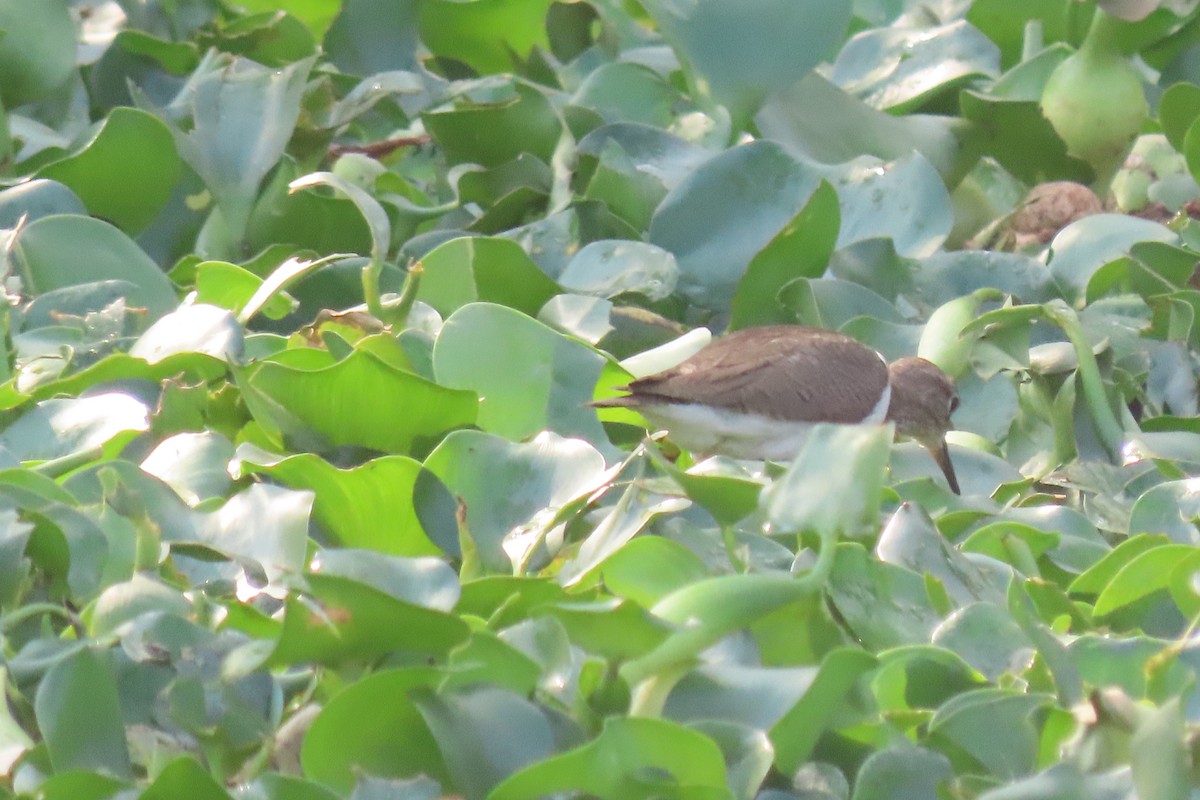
(708, 430)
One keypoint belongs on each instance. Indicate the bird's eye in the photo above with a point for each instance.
(953, 403)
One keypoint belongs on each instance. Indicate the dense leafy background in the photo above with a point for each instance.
(300, 496)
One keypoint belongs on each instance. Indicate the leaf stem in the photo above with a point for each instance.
(1105, 420)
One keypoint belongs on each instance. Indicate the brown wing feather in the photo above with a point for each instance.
(787, 371)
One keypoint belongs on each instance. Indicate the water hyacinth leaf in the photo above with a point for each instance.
(905, 200)
(904, 771)
(485, 734)
(815, 119)
(633, 511)
(985, 636)
(469, 269)
(897, 69)
(883, 605)
(1088, 244)
(1159, 757)
(648, 568)
(1178, 108)
(796, 733)
(372, 726)
(706, 611)
(122, 604)
(622, 92)
(495, 121)
(549, 392)
(62, 427)
(265, 526)
(978, 721)
(910, 540)
(36, 199)
(491, 36)
(734, 694)
(612, 267)
(373, 36)
(195, 465)
(37, 53)
(59, 251)
(79, 714)
(611, 766)
(1168, 508)
(740, 55)
(425, 582)
(942, 341)
(653, 151)
(800, 250)
(1143, 575)
(726, 211)
(848, 460)
(199, 328)
(360, 400)
(184, 776)
(243, 116)
(831, 303)
(729, 495)
(368, 506)
(125, 173)
(341, 620)
(1100, 574)
(376, 218)
(229, 286)
(511, 492)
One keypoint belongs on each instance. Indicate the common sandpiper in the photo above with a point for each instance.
(756, 393)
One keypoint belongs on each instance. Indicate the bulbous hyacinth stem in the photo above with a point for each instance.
(1095, 101)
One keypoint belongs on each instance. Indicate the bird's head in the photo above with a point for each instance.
(923, 398)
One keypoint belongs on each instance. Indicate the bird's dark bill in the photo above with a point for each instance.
(941, 454)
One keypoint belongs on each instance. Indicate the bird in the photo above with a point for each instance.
(757, 392)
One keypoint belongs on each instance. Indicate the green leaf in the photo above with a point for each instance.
(817, 120)
(37, 52)
(1088, 244)
(79, 715)
(1144, 574)
(994, 727)
(550, 389)
(373, 36)
(126, 171)
(899, 69)
(58, 251)
(59, 428)
(368, 506)
(499, 121)
(343, 619)
(243, 116)
(372, 726)
(725, 212)
(469, 269)
(648, 568)
(1100, 574)
(796, 733)
(184, 776)
(741, 54)
(903, 772)
(1159, 755)
(359, 400)
(620, 763)
(845, 460)
(489, 35)
(485, 734)
(800, 250)
(512, 493)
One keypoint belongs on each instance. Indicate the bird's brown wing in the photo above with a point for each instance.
(787, 372)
